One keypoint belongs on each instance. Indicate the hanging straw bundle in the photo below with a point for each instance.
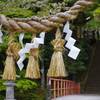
(12, 55)
(32, 70)
(57, 67)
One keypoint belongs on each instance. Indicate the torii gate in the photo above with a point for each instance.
(35, 25)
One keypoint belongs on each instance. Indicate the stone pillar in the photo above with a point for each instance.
(9, 90)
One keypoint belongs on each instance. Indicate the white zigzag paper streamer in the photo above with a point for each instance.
(21, 36)
(68, 31)
(74, 51)
(20, 61)
(28, 46)
(42, 35)
(22, 56)
(70, 43)
(41, 39)
(1, 34)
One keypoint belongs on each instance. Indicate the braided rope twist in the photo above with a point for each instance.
(36, 24)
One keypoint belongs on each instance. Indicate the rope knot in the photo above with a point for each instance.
(34, 52)
(13, 49)
(58, 44)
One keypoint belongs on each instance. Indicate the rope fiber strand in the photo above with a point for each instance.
(36, 24)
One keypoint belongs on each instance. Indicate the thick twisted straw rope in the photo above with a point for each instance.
(36, 24)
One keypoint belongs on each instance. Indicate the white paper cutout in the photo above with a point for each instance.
(38, 40)
(21, 36)
(1, 34)
(28, 46)
(41, 39)
(21, 52)
(66, 27)
(74, 52)
(20, 62)
(42, 35)
(70, 43)
(67, 30)
(68, 35)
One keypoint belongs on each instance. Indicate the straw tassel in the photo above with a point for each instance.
(33, 70)
(12, 55)
(57, 67)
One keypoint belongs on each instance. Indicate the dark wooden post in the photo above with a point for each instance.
(42, 70)
(42, 76)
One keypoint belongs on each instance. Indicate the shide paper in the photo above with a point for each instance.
(1, 34)
(70, 43)
(74, 51)
(28, 46)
